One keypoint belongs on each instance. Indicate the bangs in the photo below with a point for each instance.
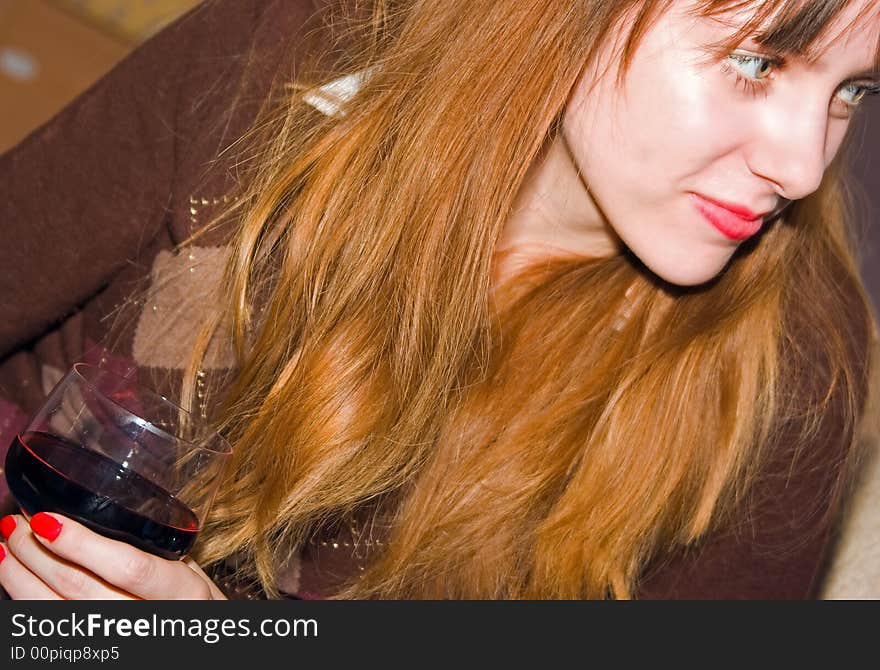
(788, 27)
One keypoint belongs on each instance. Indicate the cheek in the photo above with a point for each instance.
(663, 126)
(673, 120)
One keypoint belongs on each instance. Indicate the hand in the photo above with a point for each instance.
(55, 558)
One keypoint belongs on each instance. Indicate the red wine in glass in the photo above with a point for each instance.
(120, 459)
(99, 493)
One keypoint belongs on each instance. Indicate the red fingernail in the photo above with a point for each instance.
(2, 553)
(7, 525)
(45, 526)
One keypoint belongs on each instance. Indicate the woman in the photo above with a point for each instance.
(547, 300)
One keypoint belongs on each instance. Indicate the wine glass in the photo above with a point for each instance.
(120, 459)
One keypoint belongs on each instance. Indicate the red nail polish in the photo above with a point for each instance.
(7, 525)
(2, 554)
(45, 526)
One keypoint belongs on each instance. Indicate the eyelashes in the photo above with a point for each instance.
(751, 85)
(755, 85)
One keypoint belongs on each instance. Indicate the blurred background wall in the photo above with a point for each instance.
(867, 168)
(51, 50)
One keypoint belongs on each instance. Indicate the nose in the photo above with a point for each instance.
(790, 149)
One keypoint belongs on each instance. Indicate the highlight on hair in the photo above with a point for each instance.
(520, 440)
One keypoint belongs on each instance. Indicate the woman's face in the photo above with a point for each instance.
(682, 130)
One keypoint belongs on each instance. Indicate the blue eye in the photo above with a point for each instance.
(757, 67)
(859, 91)
(750, 71)
(859, 94)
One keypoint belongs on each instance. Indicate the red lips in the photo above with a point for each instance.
(739, 210)
(730, 220)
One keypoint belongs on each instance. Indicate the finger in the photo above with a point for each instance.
(216, 593)
(118, 563)
(67, 579)
(19, 582)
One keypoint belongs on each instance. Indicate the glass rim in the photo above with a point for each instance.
(212, 434)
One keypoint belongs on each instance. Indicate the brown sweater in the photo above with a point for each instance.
(93, 203)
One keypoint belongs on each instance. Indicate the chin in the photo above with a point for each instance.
(685, 273)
